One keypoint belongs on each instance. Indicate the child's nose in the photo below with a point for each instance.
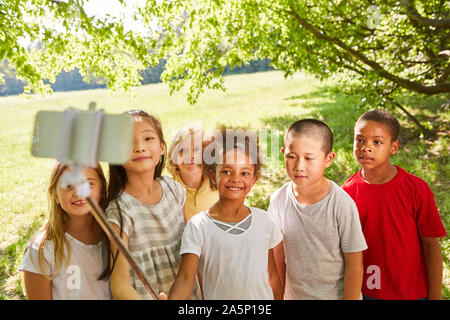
(366, 147)
(234, 176)
(299, 165)
(139, 147)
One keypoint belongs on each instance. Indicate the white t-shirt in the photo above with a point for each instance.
(233, 266)
(77, 281)
(315, 239)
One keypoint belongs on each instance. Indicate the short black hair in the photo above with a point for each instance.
(384, 117)
(315, 129)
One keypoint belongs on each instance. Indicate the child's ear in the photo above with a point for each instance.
(329, 159)
(394, 147)
(212, 178)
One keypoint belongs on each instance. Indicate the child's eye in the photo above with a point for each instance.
(309, 158)
(290, 156)
(359, 140)
(378, 142)
(149, 138)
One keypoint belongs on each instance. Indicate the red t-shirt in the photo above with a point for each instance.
(393, 217)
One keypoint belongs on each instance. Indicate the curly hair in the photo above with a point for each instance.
(230, 139)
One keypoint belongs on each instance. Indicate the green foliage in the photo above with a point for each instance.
(64, 37)
(382, 46)
(390, 46)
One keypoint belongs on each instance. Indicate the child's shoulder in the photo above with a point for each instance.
(352, 181)
(37, 239)
(172, 183)
(412, 179)
(262, 216)
(341, 196)
(280, 192)
(258, 211)
(198, 220)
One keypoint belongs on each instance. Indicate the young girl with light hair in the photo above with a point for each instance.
(186, 165)
(69, 258)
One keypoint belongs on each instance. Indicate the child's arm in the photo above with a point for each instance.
(278, 253)
(184, 283)
(353, 275)
(184, 214)
(37, 286)
(274, 279)
(433, 262)
(120, 282)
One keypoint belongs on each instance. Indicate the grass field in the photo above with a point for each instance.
(259, 101)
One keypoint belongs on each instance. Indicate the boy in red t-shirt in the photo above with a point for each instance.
(398, 215)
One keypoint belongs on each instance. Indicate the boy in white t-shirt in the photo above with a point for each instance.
(230, 244)
(320, 256)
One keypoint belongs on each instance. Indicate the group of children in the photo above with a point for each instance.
(376, 237)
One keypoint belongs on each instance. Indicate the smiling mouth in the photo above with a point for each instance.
(79, 203)
(235, 188)
(141, 158)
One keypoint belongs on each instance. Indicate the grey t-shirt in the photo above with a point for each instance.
(315, 239)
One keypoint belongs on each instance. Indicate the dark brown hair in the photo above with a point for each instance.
(118, 176)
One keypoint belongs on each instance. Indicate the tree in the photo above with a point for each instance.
(392, 47)
(40, 38)
(389, 46)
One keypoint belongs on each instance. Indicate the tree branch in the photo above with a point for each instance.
(444, 75)
(414, 15)
(376, 67)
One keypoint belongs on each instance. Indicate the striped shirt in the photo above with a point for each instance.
(154, 235)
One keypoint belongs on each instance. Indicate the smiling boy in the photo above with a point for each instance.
(320, 256)
(398, 215)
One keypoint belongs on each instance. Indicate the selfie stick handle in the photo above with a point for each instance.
(97, 212)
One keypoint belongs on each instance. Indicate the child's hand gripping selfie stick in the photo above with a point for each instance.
(81, 139)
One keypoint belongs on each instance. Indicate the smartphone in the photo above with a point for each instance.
(83, 136)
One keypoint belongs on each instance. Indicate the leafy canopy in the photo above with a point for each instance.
(390, 45)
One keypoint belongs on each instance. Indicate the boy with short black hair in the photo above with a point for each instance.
(398, 215)
(320, 256)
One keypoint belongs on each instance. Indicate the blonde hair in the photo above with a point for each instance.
(182, 134)
(55, 228)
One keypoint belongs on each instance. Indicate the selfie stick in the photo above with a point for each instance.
(76, 178)
(101, 219)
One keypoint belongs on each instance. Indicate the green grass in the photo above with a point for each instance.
(259, 101)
